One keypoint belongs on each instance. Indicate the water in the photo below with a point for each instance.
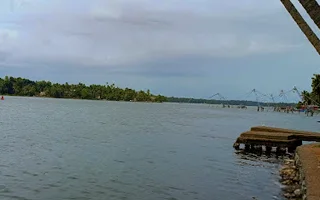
(74, 149)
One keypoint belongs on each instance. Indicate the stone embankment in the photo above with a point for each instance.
(301, 175)
(290, 178)
(270, 138)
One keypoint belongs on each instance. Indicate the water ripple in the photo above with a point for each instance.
(70, 149)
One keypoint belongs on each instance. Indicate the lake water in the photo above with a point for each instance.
(74, 149)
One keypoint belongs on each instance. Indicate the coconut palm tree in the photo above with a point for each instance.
(306, 97)
(316, 87)
(305, 28)
(313, 9)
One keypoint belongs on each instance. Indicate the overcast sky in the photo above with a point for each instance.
(173, 47)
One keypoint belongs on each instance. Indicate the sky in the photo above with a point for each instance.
(184, 48)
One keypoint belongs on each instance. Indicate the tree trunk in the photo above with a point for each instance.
(313, 9)
(305, 28)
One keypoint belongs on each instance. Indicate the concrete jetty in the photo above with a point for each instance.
(270, 137)
(300, 175)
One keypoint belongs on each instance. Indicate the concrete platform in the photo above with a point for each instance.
(282, 130)
(301, 135)
(275, 137)
(268, 135)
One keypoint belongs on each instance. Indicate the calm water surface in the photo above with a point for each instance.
(71, 149)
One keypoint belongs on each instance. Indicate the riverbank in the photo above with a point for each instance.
(25, 87)
(302, 174)
(45, 97)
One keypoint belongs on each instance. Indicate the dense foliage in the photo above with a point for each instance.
(313, 97)
(24, 87)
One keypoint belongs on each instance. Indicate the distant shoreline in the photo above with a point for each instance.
(43, 97)
(24, 87)
(226, 102)
(212, 102)
(27, 88)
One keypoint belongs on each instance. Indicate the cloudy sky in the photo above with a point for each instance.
(174, 47)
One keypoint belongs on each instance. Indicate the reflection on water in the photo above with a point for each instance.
(71, 149)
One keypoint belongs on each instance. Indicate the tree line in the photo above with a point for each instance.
(313, 97)
(226, 102)
(25, 87)
(307, 98)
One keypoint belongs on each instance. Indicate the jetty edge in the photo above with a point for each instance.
(268, 138)
(300, 175)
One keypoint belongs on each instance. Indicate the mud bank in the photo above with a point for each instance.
(301, 175)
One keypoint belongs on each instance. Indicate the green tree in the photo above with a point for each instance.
(86, 94)
(25, 87)
(142, 96)
(306, 97)
(129, 94)
(316, 87)
(56, 91)
(8, 85)
(160, 98)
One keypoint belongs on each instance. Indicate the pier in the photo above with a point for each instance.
(269, 138)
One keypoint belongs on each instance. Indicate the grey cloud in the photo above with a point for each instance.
(4, 56)
(133, 35)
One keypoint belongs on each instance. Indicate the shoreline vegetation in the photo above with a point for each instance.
(17, 86)
(313, 97)
(13, 86)
(24, 87)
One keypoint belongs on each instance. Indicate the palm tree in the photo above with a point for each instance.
(305, 28)
(313, 9)
(316, 87)
(306, 99)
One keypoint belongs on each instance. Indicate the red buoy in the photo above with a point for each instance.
(2, 98)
